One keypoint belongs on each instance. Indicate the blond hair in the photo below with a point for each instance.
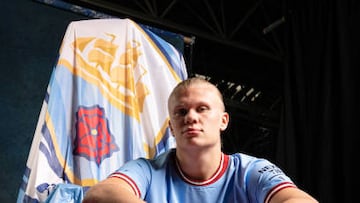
(195, 81)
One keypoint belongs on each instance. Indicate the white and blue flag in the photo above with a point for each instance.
(106, 104)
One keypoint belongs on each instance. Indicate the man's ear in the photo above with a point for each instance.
(224, 121)
(171, 129)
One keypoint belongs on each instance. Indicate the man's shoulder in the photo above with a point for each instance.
(240, 155)
(246, 159)
(162, 159)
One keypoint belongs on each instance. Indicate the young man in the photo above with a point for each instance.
(197, 170)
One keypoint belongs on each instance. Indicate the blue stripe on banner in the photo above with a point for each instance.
(164, 144)
(128, 153)
(177, 40)
(50, 155)
(28, 199)
(46, 99)
(166, 49)
(25, 178)
(58, 111)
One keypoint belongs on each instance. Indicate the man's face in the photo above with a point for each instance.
(197, 117)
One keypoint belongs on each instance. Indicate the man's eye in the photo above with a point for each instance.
(181, 112)
(202, 108)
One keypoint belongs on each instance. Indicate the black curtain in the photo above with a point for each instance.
(316, 143)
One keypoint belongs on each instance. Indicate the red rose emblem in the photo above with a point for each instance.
(93, 139)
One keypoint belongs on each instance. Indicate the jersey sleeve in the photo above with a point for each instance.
(264, 179)
(137, 174)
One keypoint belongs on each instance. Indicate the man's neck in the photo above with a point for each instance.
(199, 165)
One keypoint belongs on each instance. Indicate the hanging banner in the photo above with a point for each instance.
(106, 104)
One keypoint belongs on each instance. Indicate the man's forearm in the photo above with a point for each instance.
(110, 191)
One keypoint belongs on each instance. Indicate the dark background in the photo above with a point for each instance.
(30, 35)
(305, 120)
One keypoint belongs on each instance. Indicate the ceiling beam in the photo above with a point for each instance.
(122, 11)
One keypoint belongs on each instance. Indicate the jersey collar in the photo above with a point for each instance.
(224, 162)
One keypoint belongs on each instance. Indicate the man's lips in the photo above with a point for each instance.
(191, 131)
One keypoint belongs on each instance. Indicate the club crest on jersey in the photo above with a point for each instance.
(93, 138)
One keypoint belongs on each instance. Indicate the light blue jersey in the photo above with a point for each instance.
(239, 178)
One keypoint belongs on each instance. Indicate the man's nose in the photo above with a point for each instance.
(191, 116)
